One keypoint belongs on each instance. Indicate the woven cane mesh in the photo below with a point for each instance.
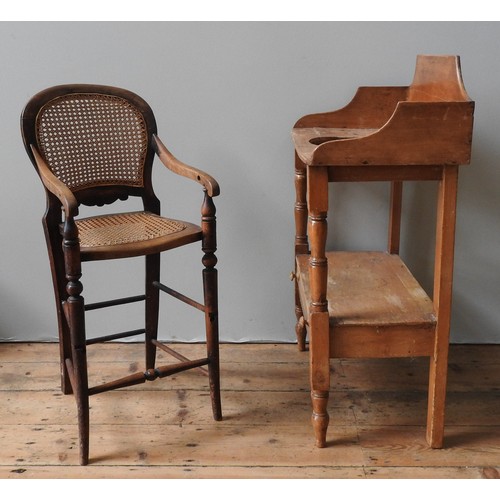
(93, 140)
(117, 229)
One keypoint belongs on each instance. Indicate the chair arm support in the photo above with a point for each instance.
(172, 163)
(55, 186)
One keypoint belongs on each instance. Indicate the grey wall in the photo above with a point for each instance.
(226, 96)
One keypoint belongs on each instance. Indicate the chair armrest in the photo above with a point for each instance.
(56, 186)
(172, 163)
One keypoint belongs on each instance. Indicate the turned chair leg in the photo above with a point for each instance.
(59, 282)
(212, 331)
(64, 347)
(152, 307)
(77, 367)
(209, 260)
(83, 408)
(75, 313)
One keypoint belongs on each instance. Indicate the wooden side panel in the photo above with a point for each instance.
(370, 107)
(381, 342)
(428, 133)
(437, 78)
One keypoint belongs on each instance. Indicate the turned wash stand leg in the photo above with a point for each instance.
(301, 243)
(317, 196)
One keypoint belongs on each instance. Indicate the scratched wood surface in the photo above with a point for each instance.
(165, 430)
(370, 288)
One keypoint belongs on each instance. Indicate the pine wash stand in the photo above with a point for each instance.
(367, 304)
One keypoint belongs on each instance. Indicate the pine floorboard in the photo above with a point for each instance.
(164, 429)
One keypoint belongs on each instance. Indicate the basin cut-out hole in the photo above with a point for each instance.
(320, 140)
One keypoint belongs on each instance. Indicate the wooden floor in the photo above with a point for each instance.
(164, 429)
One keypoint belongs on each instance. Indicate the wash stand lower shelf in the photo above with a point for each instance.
(373, 300)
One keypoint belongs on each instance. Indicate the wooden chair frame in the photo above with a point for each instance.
(66, 254)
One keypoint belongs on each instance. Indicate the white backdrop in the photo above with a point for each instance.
(226, 96)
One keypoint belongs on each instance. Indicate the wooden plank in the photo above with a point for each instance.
(429, 472)
(40, 352)
(234, 376)
(169, 472)
(411, 374)
(182, 472)
(370, 289)
(377, 410)
(263, 446)
(203, 472)
(346, 374)
(385, 408)
(176, 407)
(380, 173)
(171, 407)
(462, 355)
(474, 354)
(406, 446)
(382, 342)
(217, 444)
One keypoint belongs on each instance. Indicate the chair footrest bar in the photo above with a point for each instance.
(179, 296)
(151, 374)
(115, 336)
(135, 379)
(175, 354)
(165, 371)
(114, 302)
